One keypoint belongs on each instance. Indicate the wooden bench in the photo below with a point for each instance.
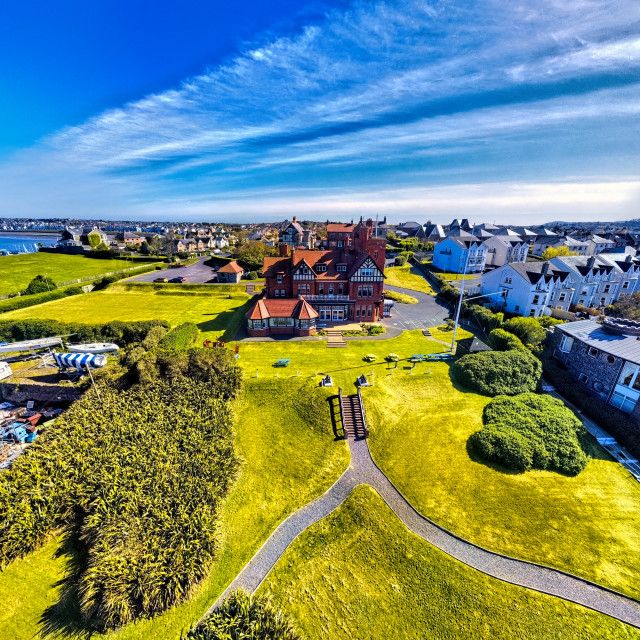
(283, 362)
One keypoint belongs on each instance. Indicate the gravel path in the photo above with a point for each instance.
(364, 471)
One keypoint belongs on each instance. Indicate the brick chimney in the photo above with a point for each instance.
(283, 250)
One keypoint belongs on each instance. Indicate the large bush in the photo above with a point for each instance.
(181, 338)
(531, 431)
(40, 284)
(498, 372)
(245, 617)
(483, 317)
(135, 478)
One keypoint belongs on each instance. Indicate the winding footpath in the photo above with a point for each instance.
(364, 471)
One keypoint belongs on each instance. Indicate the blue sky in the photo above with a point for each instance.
(517, 112)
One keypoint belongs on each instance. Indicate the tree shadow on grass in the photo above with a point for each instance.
(64, 619)
(229, 321)
(336, 418)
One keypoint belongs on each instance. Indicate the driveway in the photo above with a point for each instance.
(197, 273)
(428, 313)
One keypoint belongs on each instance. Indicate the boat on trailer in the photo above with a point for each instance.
(94, 347)
(30, 345)
(79, 361)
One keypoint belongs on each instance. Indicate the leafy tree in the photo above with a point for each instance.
(531, 431)
(251, 254)
(557, 252)
(628, 306)
(400, 260)
(245, 617)
(498, 372)
(40, 284)
(94, 239)
(102, 247)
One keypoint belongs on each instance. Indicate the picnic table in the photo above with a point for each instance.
(440, 356)
(283, 362)
(418, 358)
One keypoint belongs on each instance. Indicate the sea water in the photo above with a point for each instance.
(25, 243)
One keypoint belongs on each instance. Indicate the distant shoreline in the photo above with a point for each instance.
(30, 234)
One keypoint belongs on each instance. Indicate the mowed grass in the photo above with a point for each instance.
(287, 460)
(16, 272)
(588, 525)
(216, 314)
(446, 275)
(359, 573)
(407, 277)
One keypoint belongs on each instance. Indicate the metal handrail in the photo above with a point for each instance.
(364, 417)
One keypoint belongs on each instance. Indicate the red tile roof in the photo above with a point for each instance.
(340, 228)
(232, 267)
(282, 308)
(258, 311)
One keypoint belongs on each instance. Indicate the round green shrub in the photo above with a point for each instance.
(504, 445)
(498, 372)
(392, 357)
(370, 357)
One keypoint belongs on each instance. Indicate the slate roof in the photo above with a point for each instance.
(532, 271)
(593, 334)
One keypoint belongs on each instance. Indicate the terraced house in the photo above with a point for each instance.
(305, 287)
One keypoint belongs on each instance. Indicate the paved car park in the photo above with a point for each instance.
(197, 273)
(429, 312)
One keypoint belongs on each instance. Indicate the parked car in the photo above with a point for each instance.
(178, 279)
(160, 280)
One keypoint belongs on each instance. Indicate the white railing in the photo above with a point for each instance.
(327, 298)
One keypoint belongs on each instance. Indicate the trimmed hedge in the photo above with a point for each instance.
(502, 340)
(242, 616)
(527, 329)
(22, 302)
(531, 431)
(498, 372)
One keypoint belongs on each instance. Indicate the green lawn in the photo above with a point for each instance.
(216, 314)
(588, 525)
(407, 277)
(360, 573)
(446, 275)
(270, 434)
(16, 272)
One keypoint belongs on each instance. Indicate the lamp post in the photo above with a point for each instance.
(455, 326)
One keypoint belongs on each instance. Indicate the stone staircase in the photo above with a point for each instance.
(354, 422)
(335, 339)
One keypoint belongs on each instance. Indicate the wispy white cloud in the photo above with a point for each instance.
(378, 89)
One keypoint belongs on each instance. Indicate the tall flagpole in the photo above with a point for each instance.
(455, 326)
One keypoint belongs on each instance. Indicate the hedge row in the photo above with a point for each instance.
(123, 333)
(531, 431)
(22, 302)
(502, 340)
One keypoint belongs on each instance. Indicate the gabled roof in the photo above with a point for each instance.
(510, 233)
(232, 267)
(532, 271)
(360, 260)
(297, 308)
(599, 240)
(340, 227)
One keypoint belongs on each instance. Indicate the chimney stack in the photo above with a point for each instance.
(591, 262)
(545, 268)
(283, 250)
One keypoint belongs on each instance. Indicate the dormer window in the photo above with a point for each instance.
(321, 267)
(342, 267)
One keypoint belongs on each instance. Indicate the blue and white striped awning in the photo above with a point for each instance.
(79, 361)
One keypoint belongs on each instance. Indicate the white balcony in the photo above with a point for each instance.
(327, 298)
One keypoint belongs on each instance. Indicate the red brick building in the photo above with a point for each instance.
(303, 287)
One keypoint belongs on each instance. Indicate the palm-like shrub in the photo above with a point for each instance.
(137, 478)
(245, 617)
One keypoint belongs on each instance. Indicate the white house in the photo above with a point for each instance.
(595, 282)
(597, 244)
(543, 243)
(628, 268)
(454, 252)
(527, 288)
(502, 250)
